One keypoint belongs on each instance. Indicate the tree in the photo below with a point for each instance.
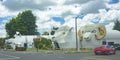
(2, 43)
(25, 23)
(10, 27)
(117, 25)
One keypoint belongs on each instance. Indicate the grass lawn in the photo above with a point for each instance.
(60, 51)
(55, 51)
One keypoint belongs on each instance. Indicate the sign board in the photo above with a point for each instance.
(38, 34)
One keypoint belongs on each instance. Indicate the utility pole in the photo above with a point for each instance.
(77, 41)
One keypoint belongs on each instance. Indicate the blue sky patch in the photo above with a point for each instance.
(107, 9)
(105, 23)
(113, 1)
(96, 20)
(2, 28)
(81, 16)
(1, 0)
(4, 18)
(59, 19)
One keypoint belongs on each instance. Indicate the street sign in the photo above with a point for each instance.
(38, 33)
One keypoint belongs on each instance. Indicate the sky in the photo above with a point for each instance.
(56, 13)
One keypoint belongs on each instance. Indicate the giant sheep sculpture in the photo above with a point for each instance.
(91, 35)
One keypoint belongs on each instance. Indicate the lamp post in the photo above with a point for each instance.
(77, 41)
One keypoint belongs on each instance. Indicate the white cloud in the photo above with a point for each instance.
(113, 6)
(44, 17)
(76, 1)
(2, 26)
(110, 26)
(46, 26)
(110, 16)
(5, 12)
(92, 6)
(90, 17)
(59, 2)
(70, 21)
(2, 33)
(27, 4)
(45, 9)
(3, 22)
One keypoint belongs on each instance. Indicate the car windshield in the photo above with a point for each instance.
(108, 46)
(105, 46)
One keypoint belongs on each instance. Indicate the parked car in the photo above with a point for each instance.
(104, 49)
(117, 46)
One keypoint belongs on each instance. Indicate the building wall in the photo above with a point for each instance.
(113, 36)
(20, 40)
(69, 41)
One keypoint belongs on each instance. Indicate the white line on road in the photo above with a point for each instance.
(9, 56)
(96, 58)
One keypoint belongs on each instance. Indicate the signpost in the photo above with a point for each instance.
(36, 41)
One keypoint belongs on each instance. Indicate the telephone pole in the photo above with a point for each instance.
(77, 41)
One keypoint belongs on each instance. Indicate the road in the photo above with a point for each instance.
(7, 55)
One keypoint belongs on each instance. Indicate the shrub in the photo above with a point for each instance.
(2, 43)
(44, 44)
(20, 49)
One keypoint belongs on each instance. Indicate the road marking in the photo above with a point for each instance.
(61, 57)
(9, 56)
(96, 58)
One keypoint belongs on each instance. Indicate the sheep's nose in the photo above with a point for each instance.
(53, 37)
(86, 38)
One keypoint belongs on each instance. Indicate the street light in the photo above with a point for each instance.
(77, 41)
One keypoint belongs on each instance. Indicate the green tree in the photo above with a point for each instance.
(25, 23)
(2, 43)
(10, 27)
(117, 25)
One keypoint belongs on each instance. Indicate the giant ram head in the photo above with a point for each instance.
(88, 31)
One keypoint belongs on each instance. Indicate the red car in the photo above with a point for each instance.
(104, 49)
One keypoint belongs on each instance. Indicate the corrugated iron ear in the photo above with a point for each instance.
(80, 35)
(102, 31)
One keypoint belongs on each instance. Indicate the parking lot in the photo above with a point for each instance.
(7, 55)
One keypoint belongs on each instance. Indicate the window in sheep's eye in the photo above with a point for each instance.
(82, 32)
(93, 31)
(63, 32)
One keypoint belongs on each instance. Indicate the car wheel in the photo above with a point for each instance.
(108, 53)
(96, 53)
(114, 53)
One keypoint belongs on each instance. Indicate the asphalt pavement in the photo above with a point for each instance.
(8, 55)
